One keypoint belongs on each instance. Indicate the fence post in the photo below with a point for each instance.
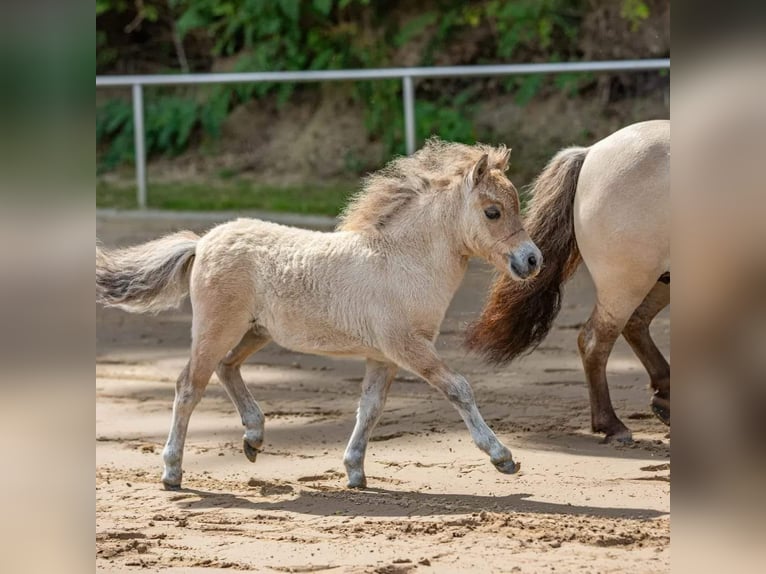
(140, 153)
(408, 93)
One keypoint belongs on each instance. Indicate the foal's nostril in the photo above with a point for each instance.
(532, 261)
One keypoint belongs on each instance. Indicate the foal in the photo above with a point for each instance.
(377, 288)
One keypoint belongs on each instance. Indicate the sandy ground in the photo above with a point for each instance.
(434, 503)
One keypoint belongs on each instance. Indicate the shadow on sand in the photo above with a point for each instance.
(377, 502)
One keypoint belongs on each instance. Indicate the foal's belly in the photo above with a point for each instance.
(317, 339)
(330, 350)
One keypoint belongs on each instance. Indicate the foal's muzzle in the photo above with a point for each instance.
(525, 261)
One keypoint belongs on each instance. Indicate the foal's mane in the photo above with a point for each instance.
(436, 167)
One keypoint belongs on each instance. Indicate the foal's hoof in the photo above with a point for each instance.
(357, 484)
(356, 476)
(171, 481)
(661, 409)
(250, 452)
(507, 466)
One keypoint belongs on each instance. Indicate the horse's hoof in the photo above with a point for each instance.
(171, 485)
(507, 466)
(614, 431)
(623, 437)
(250, 452)
(660, 411)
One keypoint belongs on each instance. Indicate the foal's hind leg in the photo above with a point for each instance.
(377, 381)
(210, 342)
(637, 335)
(231, 378)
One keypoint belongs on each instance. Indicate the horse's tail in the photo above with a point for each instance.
(518, 315)
(146, 278)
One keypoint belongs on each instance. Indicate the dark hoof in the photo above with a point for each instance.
(168, 486)
(619, 434)
(621, 439)
(661, 409)
(357, 485)
(250, 452)
(614, 430)
(507, 467)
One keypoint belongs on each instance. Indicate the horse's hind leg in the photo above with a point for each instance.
(231, 378)
(211, 339)
(620, 289)
(596, 340)
(377, 381)
(637, 335)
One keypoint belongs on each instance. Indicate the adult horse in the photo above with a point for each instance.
(376, 288)
(609, 206)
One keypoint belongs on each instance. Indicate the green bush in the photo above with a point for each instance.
(114, 128)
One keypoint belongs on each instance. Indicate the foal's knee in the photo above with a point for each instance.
(459, 392)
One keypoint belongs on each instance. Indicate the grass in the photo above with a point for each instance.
(229, 195)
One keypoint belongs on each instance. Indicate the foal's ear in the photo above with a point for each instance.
(480, 169)
(505, 160)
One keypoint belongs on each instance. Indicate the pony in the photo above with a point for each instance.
(376, 288)
(607, 205)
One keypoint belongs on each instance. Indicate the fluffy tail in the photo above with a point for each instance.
(146, 278)
(518, 315)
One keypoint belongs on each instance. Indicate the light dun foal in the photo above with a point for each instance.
(376, 288)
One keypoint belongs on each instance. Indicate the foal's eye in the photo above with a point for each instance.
(492, 212)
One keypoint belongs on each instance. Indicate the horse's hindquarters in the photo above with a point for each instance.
(622, 211)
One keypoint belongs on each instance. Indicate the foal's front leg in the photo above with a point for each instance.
(377, 381)
(421, 358)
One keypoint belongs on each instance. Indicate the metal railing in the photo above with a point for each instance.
(406, 75)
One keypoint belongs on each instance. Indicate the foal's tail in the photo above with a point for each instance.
(146, 278)
(518, 315)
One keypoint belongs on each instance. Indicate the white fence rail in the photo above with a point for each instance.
(406, 75)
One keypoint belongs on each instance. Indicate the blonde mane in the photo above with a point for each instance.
(437, 166)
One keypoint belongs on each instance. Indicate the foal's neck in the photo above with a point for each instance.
(428, 239)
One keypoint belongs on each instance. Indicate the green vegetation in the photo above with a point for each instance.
(188, 35)
(229, 195)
